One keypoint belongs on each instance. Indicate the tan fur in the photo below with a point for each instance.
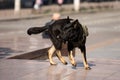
(58, 52)
(50, 54)
(85, 62)
(72, 60)
(60, 57)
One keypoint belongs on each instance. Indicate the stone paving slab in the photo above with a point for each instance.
(102, 69)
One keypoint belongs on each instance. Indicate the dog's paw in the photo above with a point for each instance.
(65, 63)
(87, 68)
(53, 63)
(74, 64)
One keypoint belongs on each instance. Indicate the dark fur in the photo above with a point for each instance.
(73, 33)
(36, 30)
(54, 30)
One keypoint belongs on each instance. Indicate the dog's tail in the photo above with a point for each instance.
(36, 30)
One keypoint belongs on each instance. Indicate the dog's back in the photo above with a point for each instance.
(55, 30)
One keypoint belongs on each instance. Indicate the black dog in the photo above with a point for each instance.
(54, 28)
(65, 31)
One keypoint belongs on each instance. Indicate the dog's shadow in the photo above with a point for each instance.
(80, 64)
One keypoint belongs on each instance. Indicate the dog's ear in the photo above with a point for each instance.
(75, 23)
(76, 20)
(68, 17)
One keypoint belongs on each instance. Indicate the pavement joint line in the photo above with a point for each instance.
(12, 32)
(110, 75)
(101, 16)
(99, 21)
(24, 18)
(102, 44)
(43, 69)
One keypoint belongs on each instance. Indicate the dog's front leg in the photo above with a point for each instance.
(72, 60)
(83, 50)
(60, 57)
(50, 54)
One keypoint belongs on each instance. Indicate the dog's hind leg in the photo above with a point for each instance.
(60, 57)
(72, 60)
(50, 54)
(83, 50)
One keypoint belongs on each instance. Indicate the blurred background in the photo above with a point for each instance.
(9, 4)
(20, 8)
(47, 6)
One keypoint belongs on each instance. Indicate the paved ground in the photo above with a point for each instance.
(102, 69)
(103, 50)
